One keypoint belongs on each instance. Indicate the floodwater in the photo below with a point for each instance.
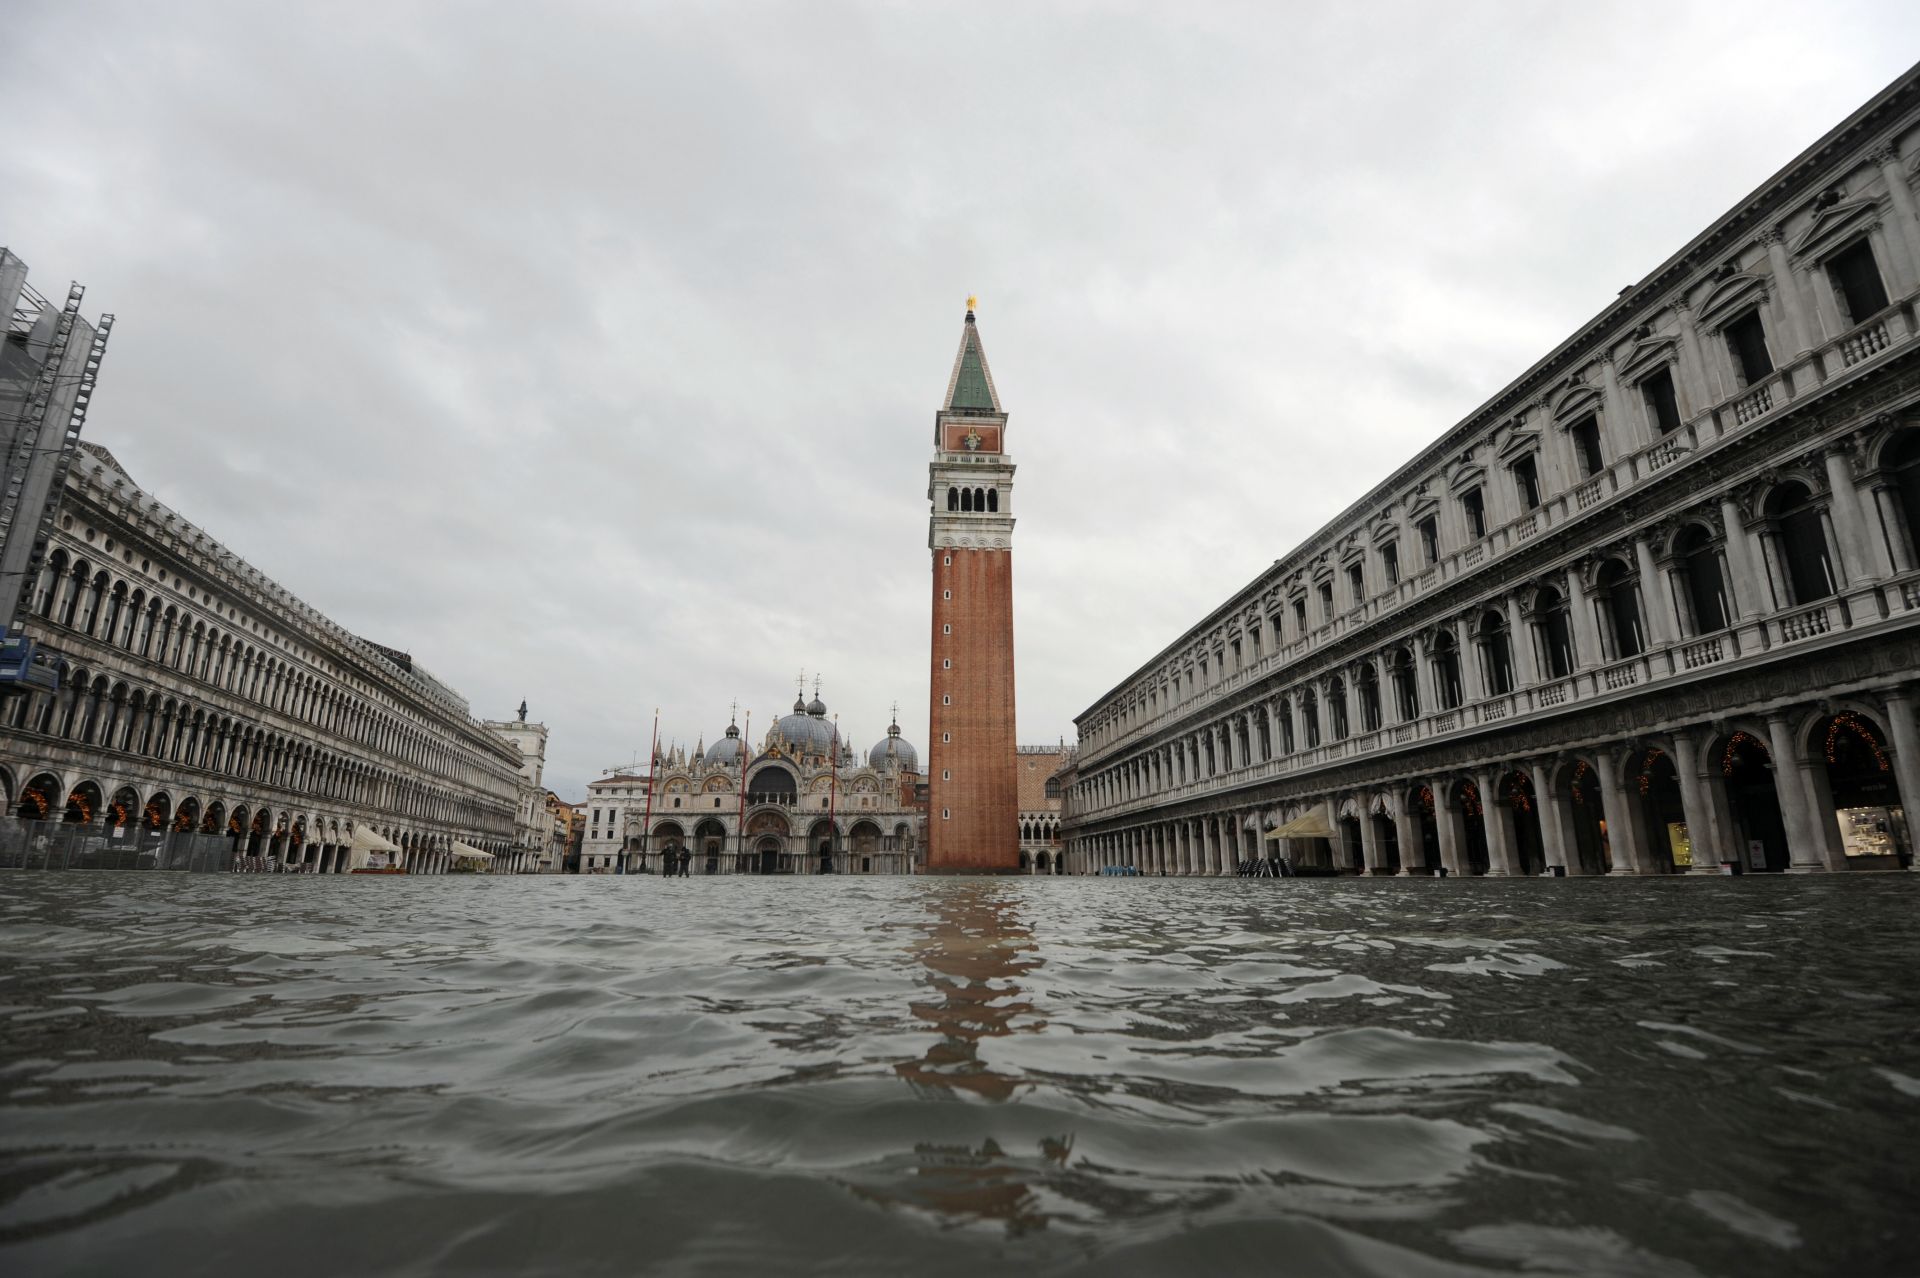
(268, 1075)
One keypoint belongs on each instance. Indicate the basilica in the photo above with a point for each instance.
(802, 803)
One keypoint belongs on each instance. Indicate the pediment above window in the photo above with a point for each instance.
(1648, 355)
(1518, 444)
(1574, 403)
(1421, 505)
(1732, 297)
(1466, 476)
(1834, 226)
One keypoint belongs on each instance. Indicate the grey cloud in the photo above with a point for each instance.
(590, 352)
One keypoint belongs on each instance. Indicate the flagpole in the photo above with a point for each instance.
(740, 822)
(833, 792)
(646, 821)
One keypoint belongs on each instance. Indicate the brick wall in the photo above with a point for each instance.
(980, 799)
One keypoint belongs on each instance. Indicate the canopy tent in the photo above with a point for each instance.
(365, 842)
(468, 852)
(1311, 824)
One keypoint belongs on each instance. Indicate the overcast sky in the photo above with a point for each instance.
(590, 352)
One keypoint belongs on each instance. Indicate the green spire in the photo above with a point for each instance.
(972, 387)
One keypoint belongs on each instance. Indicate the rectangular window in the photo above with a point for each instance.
(1475, 507)
(946, 814)
(946, 774)
(1747, 342)
(1326, 601)
(1430, 539)
(1526, 478)
(1299, 616)
(1856, 282)
(1235, 645)
(1256, 643)
(1585, 434)
(1357, 583)
(1663, 410)
(1390, 563)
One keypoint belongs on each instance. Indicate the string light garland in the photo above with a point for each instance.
(1646, 770)
(1470, 799)
(78, 799)
(1580, 771)
(1736, 743)
(1519, 792)
(1850, 722)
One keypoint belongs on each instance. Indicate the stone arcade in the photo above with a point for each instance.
(1654, 607)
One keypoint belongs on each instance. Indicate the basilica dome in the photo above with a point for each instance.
(727, 751)
(806, 730)
(893, 751)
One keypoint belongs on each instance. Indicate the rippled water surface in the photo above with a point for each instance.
(282, 1076)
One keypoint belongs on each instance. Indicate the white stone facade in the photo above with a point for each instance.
(202, 697)
(533, 821)
(1653, 607)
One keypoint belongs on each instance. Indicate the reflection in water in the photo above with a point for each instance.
(975, 950)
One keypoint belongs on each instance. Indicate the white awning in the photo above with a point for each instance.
(1311, 824)
(467, 852)
(367, 839)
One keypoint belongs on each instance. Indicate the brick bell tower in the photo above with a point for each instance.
(973, 820)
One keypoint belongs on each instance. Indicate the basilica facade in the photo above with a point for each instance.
(801, 802)
(1653, 608)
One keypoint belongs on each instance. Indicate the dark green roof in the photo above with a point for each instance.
(970, 389)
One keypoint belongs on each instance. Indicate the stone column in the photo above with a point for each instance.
(1526, 668)
(1791, 299)
(1709, 848)
(1903, 228)
(1624, 837)
(1805, 847)
(1497, 817)
(1692, 387)
(1369, 845)
(1904, 730)
(1450, 824)
(1586, 628)
(1629, 430)
(1857, 561)
(1406, 828)
(1661, 627)
(1556, 818)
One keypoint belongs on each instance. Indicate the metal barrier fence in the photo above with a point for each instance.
(51, 845)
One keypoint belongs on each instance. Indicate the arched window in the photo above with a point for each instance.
(979, 499)
(966, 499)
(1496, 653)
(953, 499)
(993, 499)
(1337, 707)
(1446, 670)
(1368, 686)
(1800, 541)
(1310, 716)
(1406, 684)
(1285, 713)
(1901, 461)
(1618, 599)
(1703, 590)
(1552, 635)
